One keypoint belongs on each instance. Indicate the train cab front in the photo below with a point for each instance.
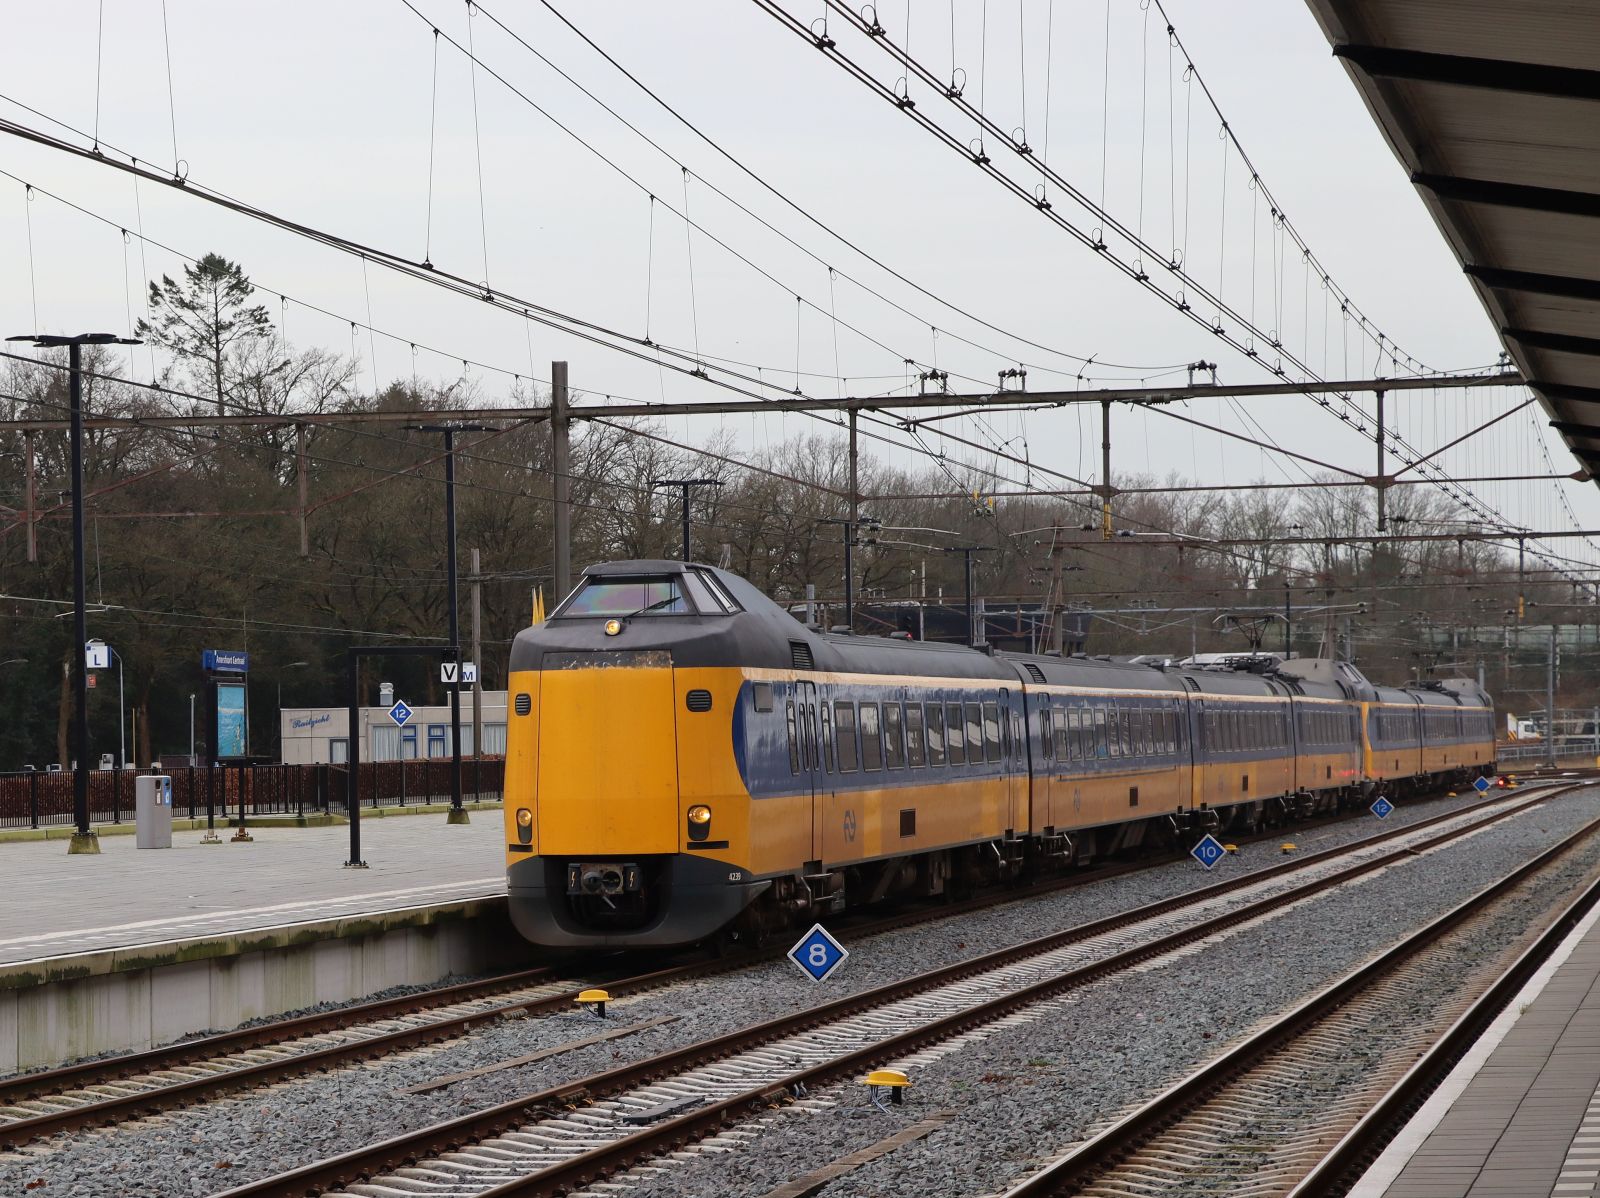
(624, 819)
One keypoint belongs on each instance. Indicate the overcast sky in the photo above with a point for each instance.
(322, 113)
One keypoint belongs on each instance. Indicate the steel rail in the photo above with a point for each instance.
(1102, 1153)
(1337, 1171)
(587, 1167)
(43, 1083)
(48, 1085)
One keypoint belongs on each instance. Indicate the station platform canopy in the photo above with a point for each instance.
(1493, 106)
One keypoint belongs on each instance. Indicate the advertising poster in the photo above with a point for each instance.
(230, 720)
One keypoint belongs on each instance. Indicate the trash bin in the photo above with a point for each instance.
(152, 795)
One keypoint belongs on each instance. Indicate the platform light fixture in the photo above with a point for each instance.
(83, 837)
(458, 813)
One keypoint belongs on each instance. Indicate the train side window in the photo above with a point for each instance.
(1047, 735)
(974, 733)
(808, 733)
(1068, 730)
(844, 723)
(794, 740)
(871, 738)
(936, 753)
(955, 742)
(894, 745)
(1098, 715)
(1147, 726)
(827, 736)
(916, 754)
(993, 743)
(1111, 736)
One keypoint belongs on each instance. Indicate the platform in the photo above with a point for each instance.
(1519, 1117)
(135, 947)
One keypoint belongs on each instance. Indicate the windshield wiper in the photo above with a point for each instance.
(650, 607)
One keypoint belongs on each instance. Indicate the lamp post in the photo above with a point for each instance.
(685, 485)
(191, 732)
(83, 838)
(122, 724)
(458, 813)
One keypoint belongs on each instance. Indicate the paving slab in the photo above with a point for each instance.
(59, 906)
(1519, 1117)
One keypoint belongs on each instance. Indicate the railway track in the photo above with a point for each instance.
(576, 1134)
(1242, 1124)
(114, 1089)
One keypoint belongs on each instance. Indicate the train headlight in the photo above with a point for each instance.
(524, 818)
(613, 627)
(699, 814)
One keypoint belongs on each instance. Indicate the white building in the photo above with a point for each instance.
(322, 734)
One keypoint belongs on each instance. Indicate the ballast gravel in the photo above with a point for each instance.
(1024, 1091)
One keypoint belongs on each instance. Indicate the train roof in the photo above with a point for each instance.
(763, 634)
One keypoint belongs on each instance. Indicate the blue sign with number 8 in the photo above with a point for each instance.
(818, 954)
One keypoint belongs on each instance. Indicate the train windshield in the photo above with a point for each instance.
(660, 596)
(693, 591)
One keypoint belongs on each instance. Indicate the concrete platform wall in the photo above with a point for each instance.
(126, 1000)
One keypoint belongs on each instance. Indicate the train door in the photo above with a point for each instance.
(1013, 763)
(810, 761)
(1198, 749)
(1040, 721)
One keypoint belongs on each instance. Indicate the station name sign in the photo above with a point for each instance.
(225, 661)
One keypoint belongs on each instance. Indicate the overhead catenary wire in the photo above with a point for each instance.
(788, 201)
(1091, 239)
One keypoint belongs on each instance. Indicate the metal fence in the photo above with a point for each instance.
(1570, 750)
(35, 800)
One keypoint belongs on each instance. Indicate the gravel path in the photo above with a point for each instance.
(1008, 1092)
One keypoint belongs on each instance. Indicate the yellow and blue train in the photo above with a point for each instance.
(686, 761)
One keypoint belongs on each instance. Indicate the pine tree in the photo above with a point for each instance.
(205, 317)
